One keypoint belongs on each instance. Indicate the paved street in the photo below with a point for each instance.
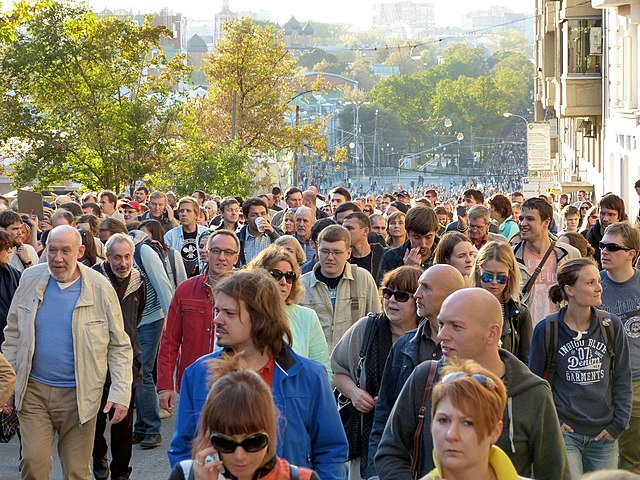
(147, 464)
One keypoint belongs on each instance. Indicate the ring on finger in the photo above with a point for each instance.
(198, 462)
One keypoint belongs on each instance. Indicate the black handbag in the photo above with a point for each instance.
(352, 419)
(8, 425)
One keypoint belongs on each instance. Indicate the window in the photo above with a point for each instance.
(584, 46)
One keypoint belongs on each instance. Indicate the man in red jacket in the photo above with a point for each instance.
(189, 332)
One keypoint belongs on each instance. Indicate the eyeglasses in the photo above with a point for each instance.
(219, 251)
(400, 295)
(477, 227)
(488, 278)
(335, 253)
(289, 277)
(251, 444)
(613, 247)
(593, 217)
(481, 379)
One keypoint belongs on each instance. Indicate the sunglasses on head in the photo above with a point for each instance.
(400, 296)
(481, 379)
(488, 278)
(289, 277)
(613, 247)
(254, 443)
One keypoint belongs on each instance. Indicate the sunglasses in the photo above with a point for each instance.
(613, 247)
(400, 295)
(488, 278)
(481, 379)
(289, 277)
(251, 444)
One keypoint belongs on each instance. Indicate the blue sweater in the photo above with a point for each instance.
(310, 431)
(589, 397)
(54, 338)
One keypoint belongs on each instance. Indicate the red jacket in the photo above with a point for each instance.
(188, 331)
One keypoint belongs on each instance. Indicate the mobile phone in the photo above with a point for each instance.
(214, 458)
(461, 210)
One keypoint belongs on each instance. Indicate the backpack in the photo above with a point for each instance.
(551, 342)
(168, 260)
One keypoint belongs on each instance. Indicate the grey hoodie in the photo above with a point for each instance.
(531, 435)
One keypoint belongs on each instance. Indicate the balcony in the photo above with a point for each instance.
(581, 97)
(551, 92)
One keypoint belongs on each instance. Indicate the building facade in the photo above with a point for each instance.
(586, 86)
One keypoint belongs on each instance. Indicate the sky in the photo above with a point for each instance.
(355, 12)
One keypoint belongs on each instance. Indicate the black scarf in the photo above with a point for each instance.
(376, 357)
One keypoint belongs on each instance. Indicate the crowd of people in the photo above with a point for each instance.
(296, 335)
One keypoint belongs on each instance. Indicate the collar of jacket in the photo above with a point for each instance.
(86, 294)
(285, 361)
(134, 282)
(346, 274)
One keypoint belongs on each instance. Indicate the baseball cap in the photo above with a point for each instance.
(403, 193)
(133, 204)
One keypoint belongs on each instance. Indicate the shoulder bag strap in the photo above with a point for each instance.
(355, 304)
(527, 288)
(417, 436)
(551, 341)
(368, 333)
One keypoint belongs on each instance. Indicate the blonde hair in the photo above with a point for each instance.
(273, 254)
(289, 242)
(500, 252)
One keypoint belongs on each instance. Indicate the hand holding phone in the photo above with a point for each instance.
(208, 466)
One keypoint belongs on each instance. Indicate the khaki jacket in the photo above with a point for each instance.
(99, 339)
(336, 322)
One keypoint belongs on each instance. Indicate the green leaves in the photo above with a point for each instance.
(82, 101)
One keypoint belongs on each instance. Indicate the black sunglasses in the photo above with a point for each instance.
(400, 295)
(613, 247)
(289, 277)
(251, 444)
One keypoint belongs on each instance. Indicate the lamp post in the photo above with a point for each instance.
(356, 121)
(526, 123)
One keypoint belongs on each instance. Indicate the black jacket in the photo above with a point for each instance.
(132, 306)
(517, 330)
(594, 237)
(9, 279)
(377, 251)
(394, 258)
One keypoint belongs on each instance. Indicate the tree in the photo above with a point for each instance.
(90, 99)
(252, 62)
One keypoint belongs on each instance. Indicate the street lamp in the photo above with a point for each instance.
(508, 115)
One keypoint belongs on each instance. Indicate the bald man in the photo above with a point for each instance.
(470, 323)
(414, 347)
(64, 328)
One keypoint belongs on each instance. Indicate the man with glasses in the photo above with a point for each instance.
(470, 198)
(621, 295)
(470, 326)
(340, 293)
(612, 210)
(479, 222)
(188, 332)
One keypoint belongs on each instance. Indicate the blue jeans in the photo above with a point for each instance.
(585, 454)
(147, 407)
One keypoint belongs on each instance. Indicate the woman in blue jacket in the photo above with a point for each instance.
(583, 353)
(251, 322)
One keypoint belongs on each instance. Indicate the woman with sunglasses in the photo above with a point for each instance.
(497, 272)
(589, 219)
(237, 432)
(583, 353)
(361, 385)
(456, 249)
(308, 337)
(466, 421)
(584, 207)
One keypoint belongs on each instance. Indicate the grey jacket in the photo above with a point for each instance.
(531, 434)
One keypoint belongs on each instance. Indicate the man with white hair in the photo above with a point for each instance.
(132, 293)
(64, 329)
